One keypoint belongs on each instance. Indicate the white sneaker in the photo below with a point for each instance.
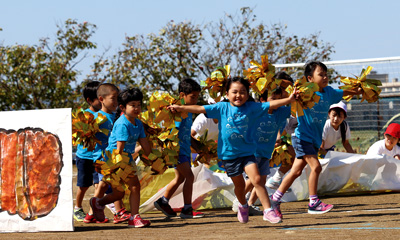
(273, 184)
(111, 206)
(235, 205)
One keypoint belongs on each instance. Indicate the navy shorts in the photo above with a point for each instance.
(183, 159)
(263, 165)
(303, 148)
(85, 172)
(235, 167)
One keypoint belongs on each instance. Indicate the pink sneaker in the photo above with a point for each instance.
(243, 214)
(138, 222)
(271, 217)
(276, 206)
(98, 211)
(319, 208)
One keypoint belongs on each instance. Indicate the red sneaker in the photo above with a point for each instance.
(91, 219)
(189, 213)
(138, 222)
(121, 216)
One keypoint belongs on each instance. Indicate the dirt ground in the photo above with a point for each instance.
(374, 216)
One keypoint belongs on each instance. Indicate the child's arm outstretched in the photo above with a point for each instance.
(352, 92)
(284, 101)
(187, 108)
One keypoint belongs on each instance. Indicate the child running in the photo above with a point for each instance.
(107, 94)
(308, 137)
(189, 90)
(236, 142)
(389, 145)
(87, 176)
(127, 130)
(269, 125)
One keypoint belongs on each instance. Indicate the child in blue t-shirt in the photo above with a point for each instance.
(189, 90)
(126, 132)
(308, 137)
(236, 141)
(87, 176)
(107, 94)
(267, 128)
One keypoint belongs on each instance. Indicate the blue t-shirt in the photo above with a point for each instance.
(97, 153)
(312, 122)
(184, 136)
(235, 138)
(125, 131)
(81, 152)
(266, 130)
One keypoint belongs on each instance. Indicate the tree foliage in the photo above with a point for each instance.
(44, 76)
(182, 50)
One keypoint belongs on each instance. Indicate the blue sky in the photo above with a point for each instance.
(358, 29)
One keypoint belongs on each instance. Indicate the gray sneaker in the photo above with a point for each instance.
(79, 215)
(255, 211)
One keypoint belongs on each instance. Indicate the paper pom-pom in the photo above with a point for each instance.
(281, 154)
(216, 83)
(207, 151)
(157, 108)
(370, 87)
(261, 76)
(117, 169)
(161, 134)
(307, 96)
(85, 127)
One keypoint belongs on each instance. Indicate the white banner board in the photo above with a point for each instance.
(36, 171)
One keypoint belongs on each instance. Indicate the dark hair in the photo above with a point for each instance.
(126, 96)
(105, 89)
(90, 90)
(310, 67)
(188, 86)
(241, 80)
(278, 90)
(343, 125)
(338, 110)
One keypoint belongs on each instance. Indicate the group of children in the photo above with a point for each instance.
(247, 133)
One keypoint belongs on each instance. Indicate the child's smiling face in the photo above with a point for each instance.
(319, 77)
(237, 94)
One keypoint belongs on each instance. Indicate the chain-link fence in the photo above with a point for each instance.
(367, 121)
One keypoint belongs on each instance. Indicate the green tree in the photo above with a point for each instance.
(181, 50)
(44, 76)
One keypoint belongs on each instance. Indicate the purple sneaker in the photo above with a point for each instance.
(319, 208)
(271, 217)
(243, 214)
(98, 211)
(276, 206)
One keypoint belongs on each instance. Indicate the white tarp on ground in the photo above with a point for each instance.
(342, 173)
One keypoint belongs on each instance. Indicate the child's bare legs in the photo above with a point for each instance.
(239, 183)
(80, 194)
(134, 197)
(253, 196)
(315, 166)
(297, 168)
(183, 173)
(259, 184)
